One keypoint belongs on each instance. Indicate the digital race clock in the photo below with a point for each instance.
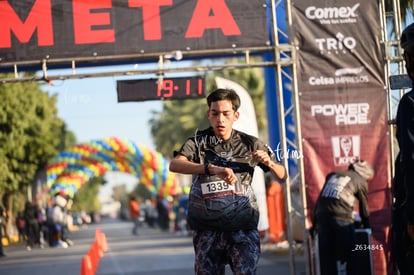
(153, 89)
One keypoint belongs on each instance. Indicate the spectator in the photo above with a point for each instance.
(163, 213)
(151, 214)
(21, 226)
(32, 225)
(59, 222)
(134, 214)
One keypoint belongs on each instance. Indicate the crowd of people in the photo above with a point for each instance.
(166, 214)
(39, 227)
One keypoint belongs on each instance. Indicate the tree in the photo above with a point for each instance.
(86, 198)
(406, 7)
(141, 191)
(180, 118)
(30, 134)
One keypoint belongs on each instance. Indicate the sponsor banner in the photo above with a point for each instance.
(343, 102)
(339, 43)
(340, 130)
(33, 30)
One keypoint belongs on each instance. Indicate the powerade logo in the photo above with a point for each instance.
(343, 114)
(333, 15)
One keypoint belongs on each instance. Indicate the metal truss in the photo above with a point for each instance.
(245, 57)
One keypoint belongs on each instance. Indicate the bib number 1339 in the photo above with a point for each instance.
(216, 188)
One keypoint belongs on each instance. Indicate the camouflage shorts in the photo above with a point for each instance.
(213, 250)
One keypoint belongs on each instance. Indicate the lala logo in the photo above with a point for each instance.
(346, 149)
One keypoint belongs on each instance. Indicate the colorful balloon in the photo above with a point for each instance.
(71, 169)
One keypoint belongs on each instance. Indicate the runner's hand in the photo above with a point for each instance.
(224, 173)
(262, 157)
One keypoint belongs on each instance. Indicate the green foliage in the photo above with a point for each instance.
(406, 7)
(86, 198)
(178, 120)
(142, 192)
(30, 134)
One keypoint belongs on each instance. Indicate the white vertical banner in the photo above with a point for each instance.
(247, 123)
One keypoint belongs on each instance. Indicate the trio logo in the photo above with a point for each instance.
(336, 45)
(346, 149)
(333, 15)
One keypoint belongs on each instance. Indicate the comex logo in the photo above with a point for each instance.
(346, 149)
(333, 15)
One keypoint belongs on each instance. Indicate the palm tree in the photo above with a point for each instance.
(406, 7)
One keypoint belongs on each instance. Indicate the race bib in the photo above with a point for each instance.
(216, 189)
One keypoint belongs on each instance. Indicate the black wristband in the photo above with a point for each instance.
(206, 171)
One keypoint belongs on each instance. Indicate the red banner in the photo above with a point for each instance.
(33, 30)
(343, 102)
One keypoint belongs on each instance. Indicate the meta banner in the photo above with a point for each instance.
(68, 29)
(343, 102)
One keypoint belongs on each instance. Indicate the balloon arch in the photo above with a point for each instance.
(68, 171)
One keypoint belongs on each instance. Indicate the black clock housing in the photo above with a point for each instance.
(155, 89)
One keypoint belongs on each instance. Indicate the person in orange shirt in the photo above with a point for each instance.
(134, 214)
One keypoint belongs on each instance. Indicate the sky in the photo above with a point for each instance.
(90, 109)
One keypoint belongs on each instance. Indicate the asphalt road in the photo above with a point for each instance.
(151, 253)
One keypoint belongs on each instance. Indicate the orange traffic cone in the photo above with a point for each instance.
(101, 238)
(86, 266)
(104, 244)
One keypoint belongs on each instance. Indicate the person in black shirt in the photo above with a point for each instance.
(222, 208)
(403, 185)
(333, 217)
(32, 225)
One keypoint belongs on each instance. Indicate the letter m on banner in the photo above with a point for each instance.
(342, 102)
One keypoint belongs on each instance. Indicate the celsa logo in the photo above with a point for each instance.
(337, 44)
(333, 15)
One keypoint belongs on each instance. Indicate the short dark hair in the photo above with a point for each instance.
(224, 94)
(407, 39)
